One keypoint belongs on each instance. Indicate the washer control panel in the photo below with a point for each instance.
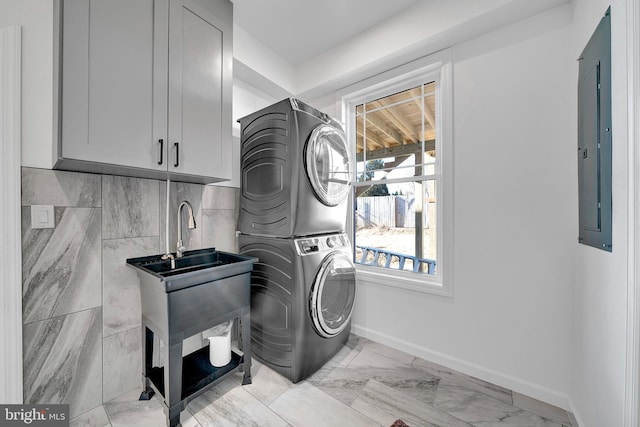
(318, 244)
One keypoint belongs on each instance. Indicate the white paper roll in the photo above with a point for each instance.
(220, 350)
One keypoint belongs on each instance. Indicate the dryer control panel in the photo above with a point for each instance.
(296, 104)
(319, 244)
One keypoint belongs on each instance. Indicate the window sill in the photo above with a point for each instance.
(403, 280)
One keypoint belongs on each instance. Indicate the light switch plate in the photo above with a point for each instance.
(42, 216)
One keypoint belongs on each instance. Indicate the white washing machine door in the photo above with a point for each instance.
(333, 294)
(328, 164)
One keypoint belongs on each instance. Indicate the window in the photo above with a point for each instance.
(399, 131)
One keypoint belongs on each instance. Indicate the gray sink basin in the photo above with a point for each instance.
(193, 268)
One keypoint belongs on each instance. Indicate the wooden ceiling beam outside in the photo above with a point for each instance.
(402, 125)
(428, 133)
(387, 130)
(371, 139)
(398, 160)
(404, 150)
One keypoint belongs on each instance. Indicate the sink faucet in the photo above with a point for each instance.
(191, 224)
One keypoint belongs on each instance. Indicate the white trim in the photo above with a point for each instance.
(535, 391)
(11, 258)
(632, 368)
(574, 416)
(437, 67)
(375, 276)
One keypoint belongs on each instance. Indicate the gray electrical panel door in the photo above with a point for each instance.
(594, 138)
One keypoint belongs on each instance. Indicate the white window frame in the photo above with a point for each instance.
(438, 68)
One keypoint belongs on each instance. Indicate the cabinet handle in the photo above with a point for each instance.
(161, 141)
(177, 162)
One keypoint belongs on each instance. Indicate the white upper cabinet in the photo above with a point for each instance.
(199, 101)
(146, 88)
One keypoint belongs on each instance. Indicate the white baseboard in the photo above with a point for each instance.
(523, 387)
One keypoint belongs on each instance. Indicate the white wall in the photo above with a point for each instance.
(599, 318)
(515, 211)
(246, 100)
(36, 19)
(261, 61)
(426, 27)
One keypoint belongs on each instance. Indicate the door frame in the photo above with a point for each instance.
(10, 223)
(632, 377)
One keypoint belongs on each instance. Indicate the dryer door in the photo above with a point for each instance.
(333, 294)
(328, 164)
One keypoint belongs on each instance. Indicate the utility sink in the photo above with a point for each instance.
(194, 267)
(181, 298)
(190, 261)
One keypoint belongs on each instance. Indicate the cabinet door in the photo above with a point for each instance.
(108, 88)
(200, 64)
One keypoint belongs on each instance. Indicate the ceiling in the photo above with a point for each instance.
(298, 30)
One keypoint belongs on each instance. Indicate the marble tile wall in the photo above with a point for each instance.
(215, 210)
(81, 303)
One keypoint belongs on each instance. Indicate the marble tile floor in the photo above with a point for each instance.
(365, 384)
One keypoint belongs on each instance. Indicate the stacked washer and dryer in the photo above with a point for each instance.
(296, 167)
